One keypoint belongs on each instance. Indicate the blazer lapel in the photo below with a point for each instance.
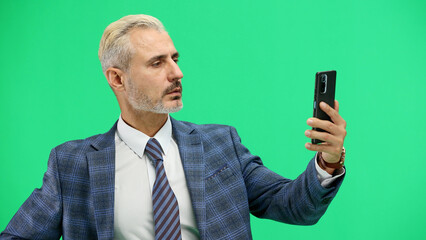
(101, 164)
(191, 154)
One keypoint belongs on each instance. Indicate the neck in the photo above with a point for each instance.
(147, 122)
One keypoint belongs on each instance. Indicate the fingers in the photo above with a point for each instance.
(333, 113)
(324, 136)
(333, 138)
(336, 105)
(328, 126)
(334, 151)
(324, 147)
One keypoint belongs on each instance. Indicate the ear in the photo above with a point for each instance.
(115, 77)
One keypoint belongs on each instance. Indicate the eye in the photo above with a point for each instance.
(175, 60)
(156, 63)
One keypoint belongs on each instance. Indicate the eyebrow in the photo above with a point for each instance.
(159, 57)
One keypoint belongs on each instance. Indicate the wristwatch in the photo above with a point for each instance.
(336, 165)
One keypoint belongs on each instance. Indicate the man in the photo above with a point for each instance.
(153, 177)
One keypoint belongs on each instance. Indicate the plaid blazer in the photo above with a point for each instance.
(225, 182)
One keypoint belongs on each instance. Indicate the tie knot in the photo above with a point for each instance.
(153, 150)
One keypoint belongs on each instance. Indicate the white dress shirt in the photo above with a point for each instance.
(134, 179)
(325, 178)
(135, 176)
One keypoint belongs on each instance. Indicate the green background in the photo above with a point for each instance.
(250, 64)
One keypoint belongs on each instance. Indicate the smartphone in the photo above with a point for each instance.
(325, 86)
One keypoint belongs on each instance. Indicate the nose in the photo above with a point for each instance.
(175, 73)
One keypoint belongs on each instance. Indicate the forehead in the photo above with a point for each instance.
(150, 42)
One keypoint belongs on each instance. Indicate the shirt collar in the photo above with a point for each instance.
(137, 140)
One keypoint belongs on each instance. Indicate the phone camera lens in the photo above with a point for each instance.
(323, 84)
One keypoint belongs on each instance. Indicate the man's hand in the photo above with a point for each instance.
(333, 139)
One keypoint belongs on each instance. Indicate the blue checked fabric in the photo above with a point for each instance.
(225, 181)
(164, 203)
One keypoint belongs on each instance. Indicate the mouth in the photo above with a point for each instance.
(175, 91)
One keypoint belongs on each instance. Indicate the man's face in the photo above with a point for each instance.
(154, 78)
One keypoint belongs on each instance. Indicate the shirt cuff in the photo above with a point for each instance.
(325, 178)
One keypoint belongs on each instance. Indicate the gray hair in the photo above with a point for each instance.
(115, 48)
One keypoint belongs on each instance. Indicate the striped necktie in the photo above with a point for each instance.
(164, 203)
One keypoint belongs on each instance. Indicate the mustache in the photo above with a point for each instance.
(176, 84)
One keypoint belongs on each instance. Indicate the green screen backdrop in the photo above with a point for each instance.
(249, 64)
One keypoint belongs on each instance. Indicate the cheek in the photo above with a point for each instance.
(153, 90)
(150, 83)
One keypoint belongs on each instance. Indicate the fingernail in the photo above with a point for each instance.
(307, 133)
(322, 104)
(310, 121)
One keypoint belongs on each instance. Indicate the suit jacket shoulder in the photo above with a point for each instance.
(95, 142)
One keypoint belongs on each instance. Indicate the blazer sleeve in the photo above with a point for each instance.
(40, 216)
(301, 201)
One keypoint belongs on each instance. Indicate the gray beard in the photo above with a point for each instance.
(140, 101)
